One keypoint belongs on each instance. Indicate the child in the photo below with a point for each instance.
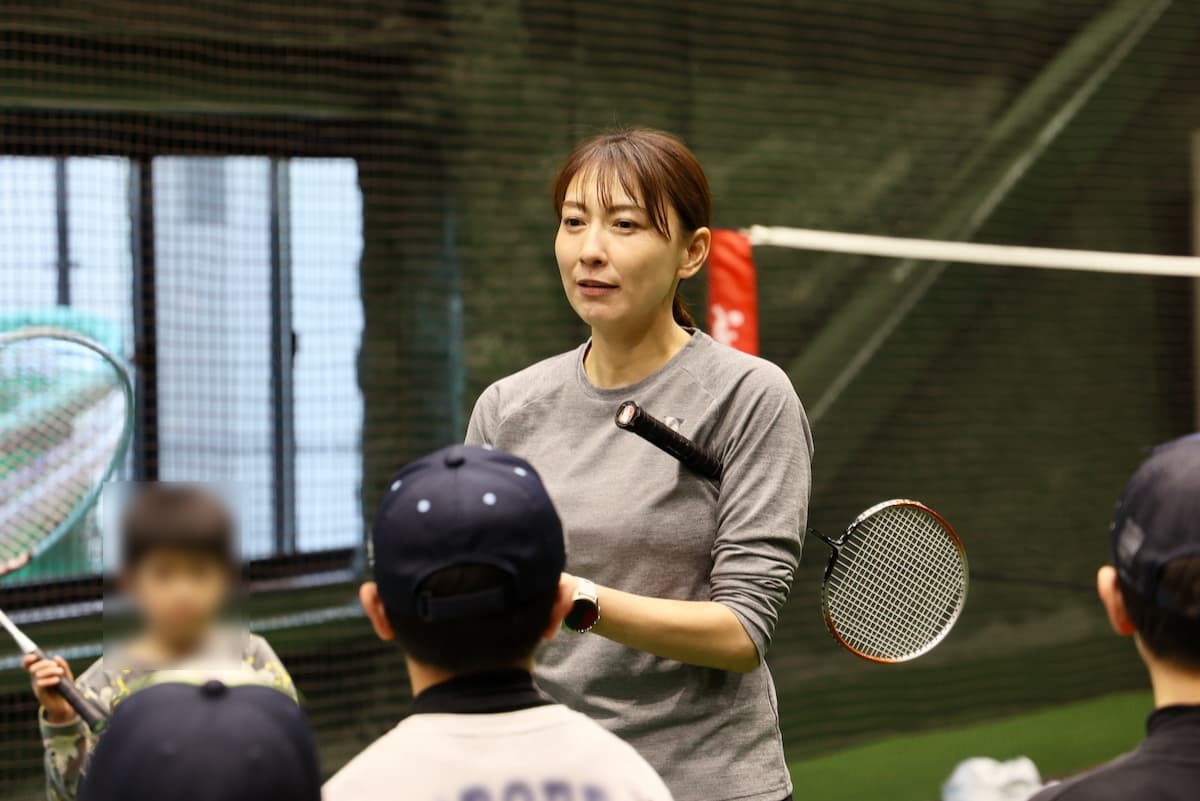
(468, 579)
(214, 741)
(179, 567)
(1151, 592)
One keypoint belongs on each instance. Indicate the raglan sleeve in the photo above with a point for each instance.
(268, 667)
(481, 428)
(762, 509)
(68, 746)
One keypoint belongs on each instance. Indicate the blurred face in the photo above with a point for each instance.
(617, 270)
(179, 592)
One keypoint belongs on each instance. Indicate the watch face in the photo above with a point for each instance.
(583, 615)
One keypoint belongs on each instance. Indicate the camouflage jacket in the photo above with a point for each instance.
(235, 657)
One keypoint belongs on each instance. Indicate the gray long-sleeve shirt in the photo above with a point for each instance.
(637, 520)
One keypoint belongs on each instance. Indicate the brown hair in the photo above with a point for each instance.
(653, 166)
(177, 516)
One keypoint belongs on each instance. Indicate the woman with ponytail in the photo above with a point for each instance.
(688, 575)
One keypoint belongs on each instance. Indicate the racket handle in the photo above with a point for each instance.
(86, 710)
(632, 417)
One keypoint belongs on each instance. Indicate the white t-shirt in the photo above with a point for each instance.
(545, 753)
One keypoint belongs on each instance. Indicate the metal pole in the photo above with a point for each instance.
(1196, 281)
(141, 228)
(282, 347)
(63, 232)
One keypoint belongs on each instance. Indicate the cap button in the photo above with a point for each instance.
(454, 458)
(213, 688)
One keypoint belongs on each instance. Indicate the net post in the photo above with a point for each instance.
(145, 325)
(283, 347)
(1196, 281)
(62, 232)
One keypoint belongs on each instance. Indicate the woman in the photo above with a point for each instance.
(689, 575)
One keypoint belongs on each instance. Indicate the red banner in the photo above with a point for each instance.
(732, 291)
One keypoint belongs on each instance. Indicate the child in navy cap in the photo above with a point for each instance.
(469, 554)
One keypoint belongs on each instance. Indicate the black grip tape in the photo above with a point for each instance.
(632, 417)
(91, 715)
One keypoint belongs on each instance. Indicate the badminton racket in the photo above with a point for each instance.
(896, 580)
(66, 415)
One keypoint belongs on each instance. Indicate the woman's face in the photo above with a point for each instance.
(617, 270)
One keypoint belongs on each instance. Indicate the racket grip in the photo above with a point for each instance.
(632, 417)
(86, 710)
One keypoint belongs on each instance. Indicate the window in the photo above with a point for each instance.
(256, 316)
(327, 318)
(64, 229)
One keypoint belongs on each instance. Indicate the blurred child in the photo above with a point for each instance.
(179, 568)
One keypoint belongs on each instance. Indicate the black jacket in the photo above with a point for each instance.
(1165, 767)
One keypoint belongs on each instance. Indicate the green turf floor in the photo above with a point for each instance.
(1060, 740)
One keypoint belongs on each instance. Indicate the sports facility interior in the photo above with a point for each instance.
(316, 231)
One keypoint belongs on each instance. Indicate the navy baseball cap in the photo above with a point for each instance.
(205, 742)
(459, 506)
(1158, 518)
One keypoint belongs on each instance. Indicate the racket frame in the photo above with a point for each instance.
(88, 711)
(50, 332)
(633, 418)
(835, 552)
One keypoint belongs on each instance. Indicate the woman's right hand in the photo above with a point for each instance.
(45, 675)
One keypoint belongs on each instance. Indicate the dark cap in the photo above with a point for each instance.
(1158, 519)
(205, 742)
(460, 506)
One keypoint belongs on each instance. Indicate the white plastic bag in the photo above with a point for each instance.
(986, 779)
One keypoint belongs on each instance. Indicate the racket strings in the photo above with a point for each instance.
(917, 611)
(897, 586)
(63, 412)
(893, 584)
(897, 633)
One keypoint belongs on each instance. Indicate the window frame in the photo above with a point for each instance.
(282, 341)
(312, 140)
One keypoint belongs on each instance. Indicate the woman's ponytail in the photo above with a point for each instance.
(681, 312)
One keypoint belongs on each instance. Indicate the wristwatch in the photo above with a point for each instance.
(585, 607)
